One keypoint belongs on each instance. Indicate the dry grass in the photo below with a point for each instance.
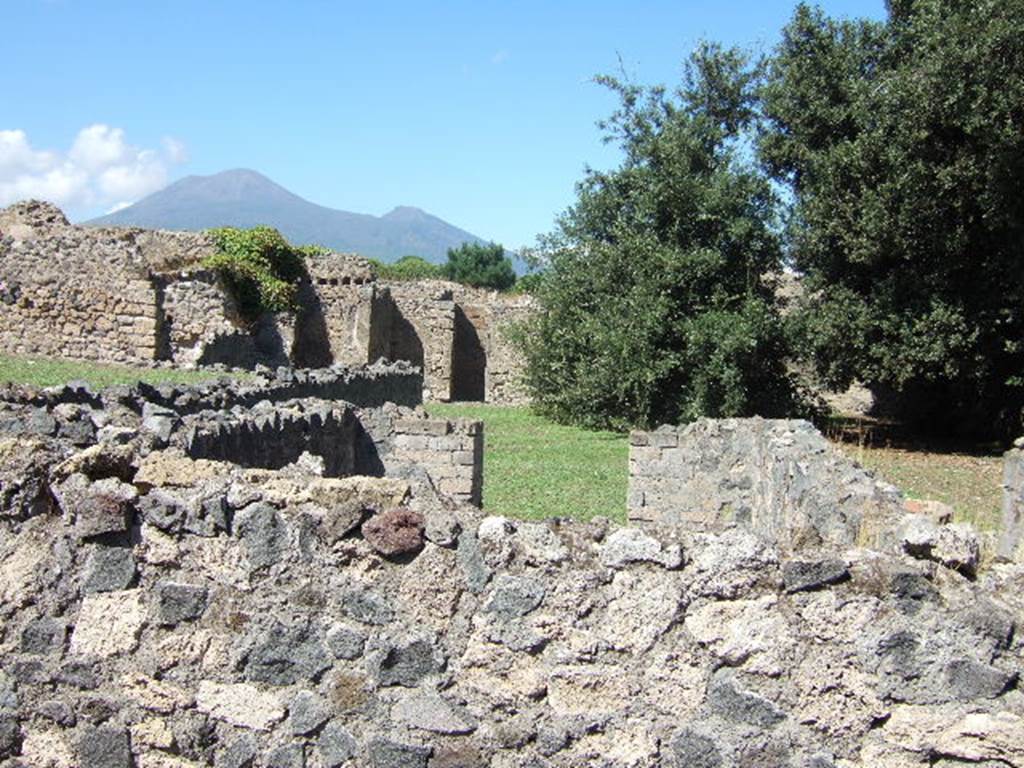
(969, 478)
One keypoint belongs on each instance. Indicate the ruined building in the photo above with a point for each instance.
(138, 296)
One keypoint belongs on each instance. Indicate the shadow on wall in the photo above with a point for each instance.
(312, 346)
(469, 361)
(405, 341)
(336, 436)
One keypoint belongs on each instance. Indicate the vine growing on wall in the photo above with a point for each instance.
(259, 267)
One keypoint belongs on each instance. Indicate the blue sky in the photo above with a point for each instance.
(482, 113)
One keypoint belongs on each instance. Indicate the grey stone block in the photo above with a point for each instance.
(104, 747)
(335, 745)
(176, 603)
(109, 569)
(307, 712)
(384, 753)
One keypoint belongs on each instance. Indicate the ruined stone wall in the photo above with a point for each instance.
(163, 612)
(451, 452)
(345, 315)
(55, 299)
(423, 332)
(275, 436)
(506, 367)
(780, 478)
(484, 365)
(1011, 544)
(198, 324)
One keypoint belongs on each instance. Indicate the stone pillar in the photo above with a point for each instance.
(1011, 542)
(451, 452)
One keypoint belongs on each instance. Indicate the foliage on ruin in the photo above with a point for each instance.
(480, 265)
(260, 268)
(655, 307)
(903, 144)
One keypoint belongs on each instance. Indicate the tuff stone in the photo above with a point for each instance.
(239, 704)
(631, 545)
(109, 624)
(430, 712)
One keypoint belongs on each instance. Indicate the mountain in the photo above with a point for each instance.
(244, 198)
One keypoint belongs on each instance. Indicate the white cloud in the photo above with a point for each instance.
(100, 169)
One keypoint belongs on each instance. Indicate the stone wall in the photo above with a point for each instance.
(160, 612)
(275, 436)
(152, 301)
(1011, 544)
(423, 332)
(435, 319)
(780, 478)
(451, 452)
(58, 301)
(345, 316)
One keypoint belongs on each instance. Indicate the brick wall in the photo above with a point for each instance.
(452, 453)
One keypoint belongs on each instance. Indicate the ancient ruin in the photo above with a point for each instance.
(151, 300)
(293, 570)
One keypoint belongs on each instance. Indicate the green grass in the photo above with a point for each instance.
(48, 373)
(536, 469)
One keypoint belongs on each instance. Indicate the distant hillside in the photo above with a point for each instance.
(244, 198)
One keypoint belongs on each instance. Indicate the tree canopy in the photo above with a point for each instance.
(653, 307)
(480, 265)
(903, 145)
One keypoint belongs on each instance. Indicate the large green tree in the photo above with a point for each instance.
(480, 265)
(654, 307)
(903, 144)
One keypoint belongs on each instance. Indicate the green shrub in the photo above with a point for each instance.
(259, 267)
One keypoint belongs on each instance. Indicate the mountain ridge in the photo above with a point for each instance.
(242, 197)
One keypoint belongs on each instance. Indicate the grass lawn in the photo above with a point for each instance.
(536, 469)
(48, 373)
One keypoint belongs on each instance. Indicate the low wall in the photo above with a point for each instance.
(780, 478)
(277, 436)
(193, 614)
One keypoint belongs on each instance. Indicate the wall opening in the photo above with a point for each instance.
(469, 360)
